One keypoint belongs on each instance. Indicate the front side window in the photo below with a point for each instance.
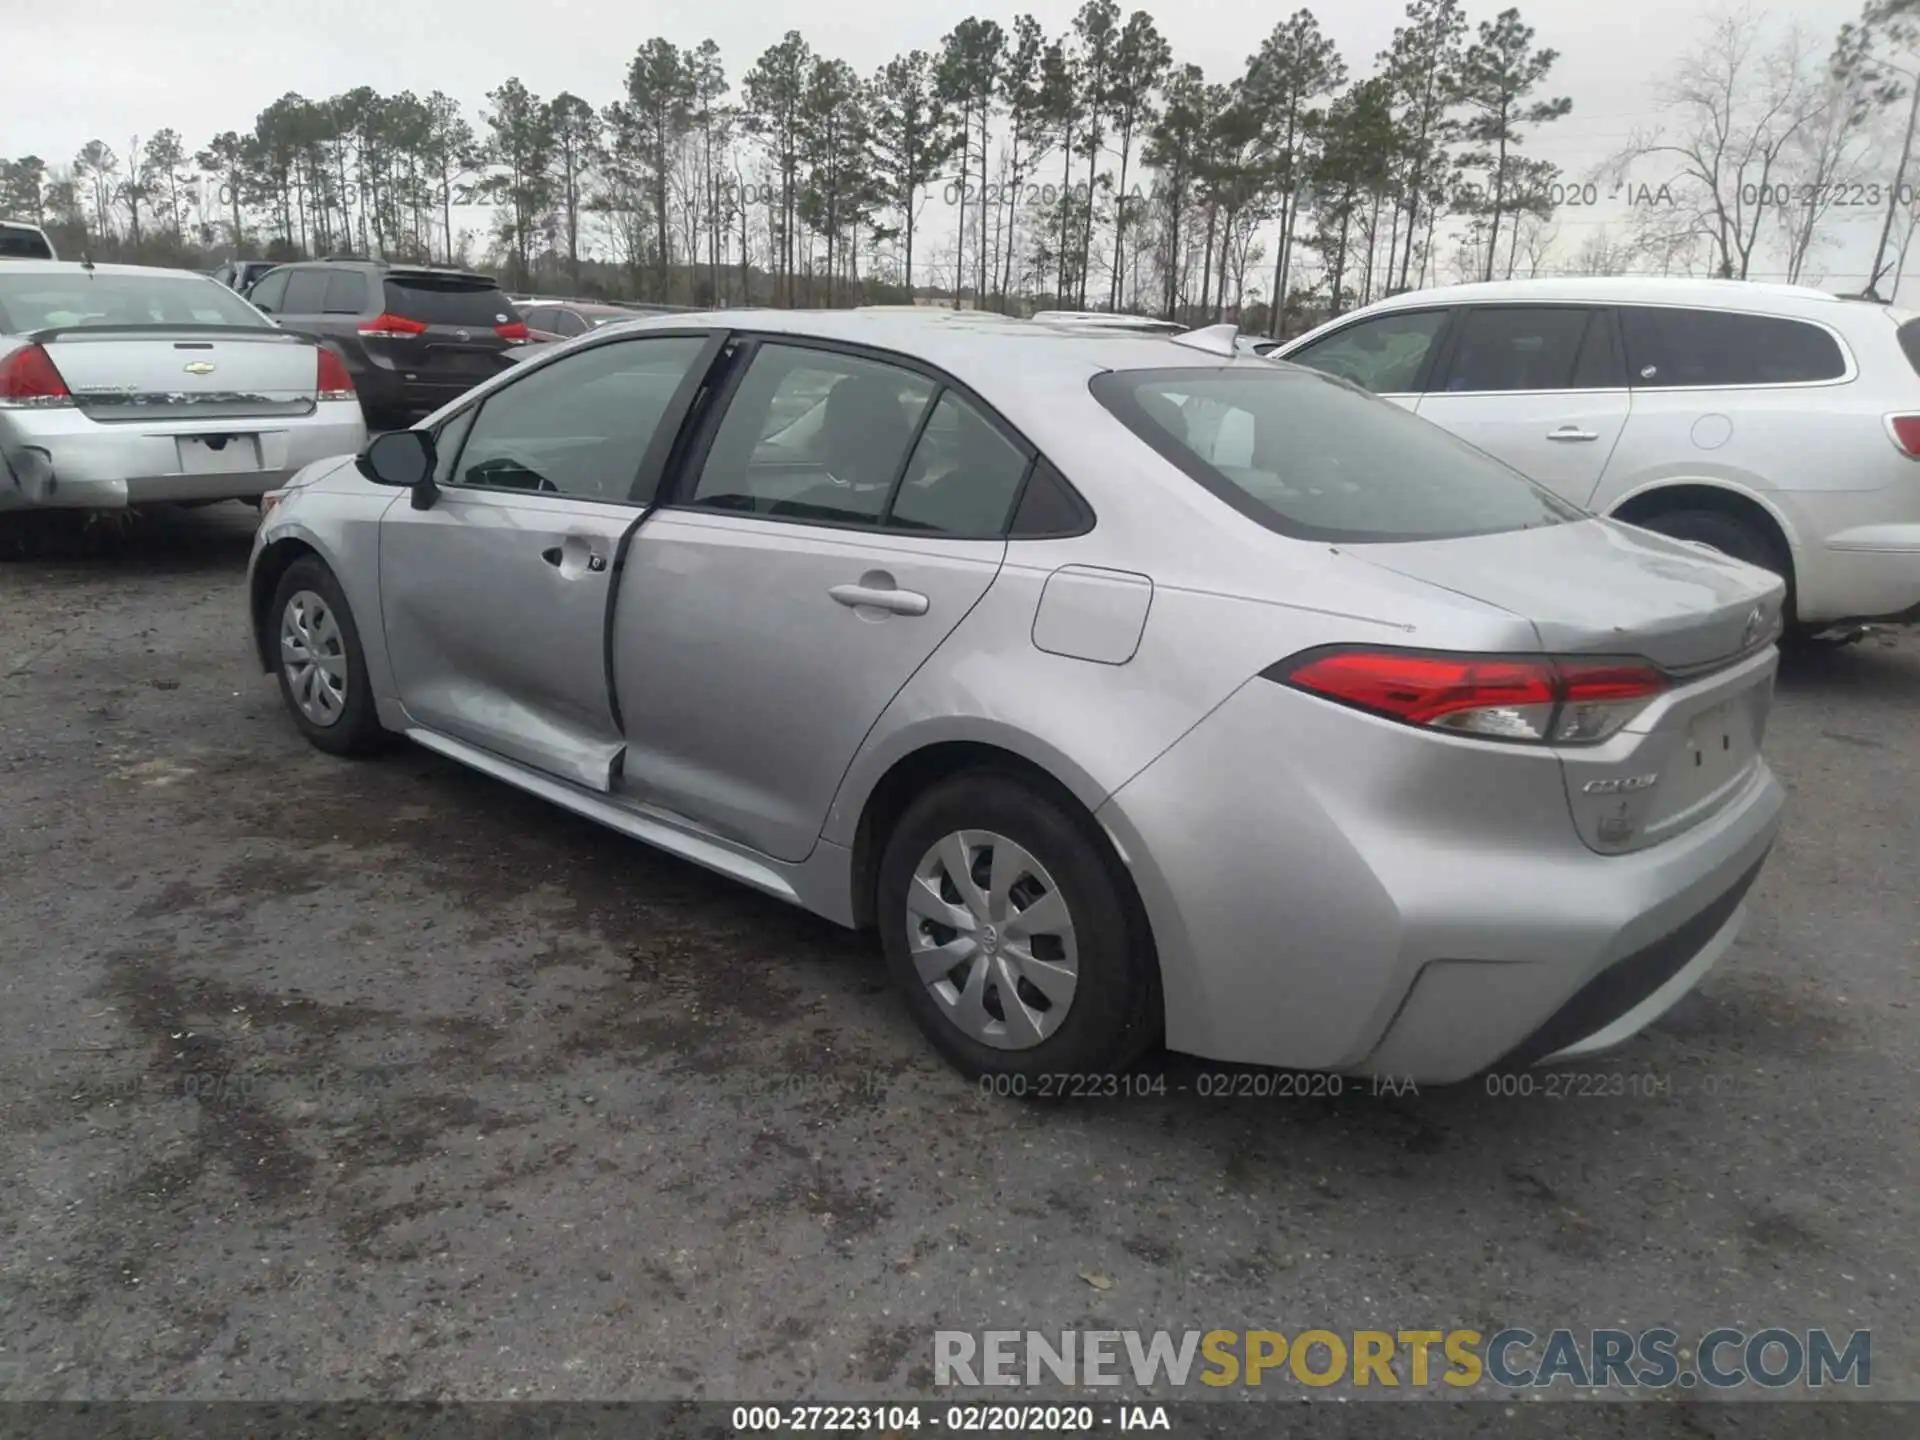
(1315, 459)
(269, 289)
(1385, 354)
(814, 435)
(306, 292)
(77, 299)
(1503, 347)
(1673, 347)
(579, 426)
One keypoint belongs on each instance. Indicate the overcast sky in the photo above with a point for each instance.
(116, 69)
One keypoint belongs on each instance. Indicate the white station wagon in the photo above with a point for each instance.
(1774, 423)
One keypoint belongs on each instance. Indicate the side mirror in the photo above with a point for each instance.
(405, 459)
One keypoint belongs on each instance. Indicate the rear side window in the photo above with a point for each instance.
(452, 300)
(1675, 347)
(963, 477)
(1910, 343)
(1316, 459)
(346, 293)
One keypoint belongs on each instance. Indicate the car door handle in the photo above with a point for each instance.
(553, 555)
(1572, 432)
(900, 602)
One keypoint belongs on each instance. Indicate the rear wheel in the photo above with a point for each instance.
(1016, 942)
(321, 667)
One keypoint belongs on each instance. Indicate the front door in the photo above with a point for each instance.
(1540, 387)
(495, 600)
(846, 517)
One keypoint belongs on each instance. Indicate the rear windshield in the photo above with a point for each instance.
(434, 300)
(73, 298)
(1910, 342)
(1317, 458)
(19, 243)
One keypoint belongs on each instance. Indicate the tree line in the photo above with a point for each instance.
(1082, 169)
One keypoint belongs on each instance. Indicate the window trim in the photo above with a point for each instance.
(1609, 315)
(653, 459)
(687, 472)
(1449, 314)
(1846, 377)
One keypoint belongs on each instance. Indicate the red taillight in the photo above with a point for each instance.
(392, 327)
(1905, 430)
(333, 381)
(1529, 698)
(29, 378)
(515, 330)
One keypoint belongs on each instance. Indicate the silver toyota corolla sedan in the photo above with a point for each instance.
(1128, 687)
(123, 386)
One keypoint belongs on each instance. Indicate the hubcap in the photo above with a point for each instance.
(313, 655)
(992, 939)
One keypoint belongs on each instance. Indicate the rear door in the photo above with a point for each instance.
(451, 330)
(848, 512)
(495, 599)
(1542, 387)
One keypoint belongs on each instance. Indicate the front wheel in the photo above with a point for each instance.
(321, 667)
(1012, 934)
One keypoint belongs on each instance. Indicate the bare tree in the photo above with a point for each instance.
(1601, 254)
(1824, 159)
(1729, 113)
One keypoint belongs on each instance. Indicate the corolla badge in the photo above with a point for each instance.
(199, 367)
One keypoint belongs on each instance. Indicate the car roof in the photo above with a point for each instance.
(974, 346)
(1616, 290)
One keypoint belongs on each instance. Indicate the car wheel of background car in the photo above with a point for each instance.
(323, 674)
(1018, 945)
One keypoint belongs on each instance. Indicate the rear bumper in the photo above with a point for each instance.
(1873, 573)
(415, 393)
(1332, 892)
(63, 461)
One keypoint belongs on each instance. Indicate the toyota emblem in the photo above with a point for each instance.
(1756, 622)
(462, 335)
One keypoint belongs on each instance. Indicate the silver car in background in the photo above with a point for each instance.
(1128, 686)
(123, 386)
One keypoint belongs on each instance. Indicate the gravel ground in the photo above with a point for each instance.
(324, 1079)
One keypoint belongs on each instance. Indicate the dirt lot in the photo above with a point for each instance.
(379, 1079)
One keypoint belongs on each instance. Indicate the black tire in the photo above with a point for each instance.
(356, 730)
(1115, 1012)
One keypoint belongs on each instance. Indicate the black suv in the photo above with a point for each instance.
(412, 338)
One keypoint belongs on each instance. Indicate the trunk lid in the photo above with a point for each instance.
(1601, 588)
(147, 373)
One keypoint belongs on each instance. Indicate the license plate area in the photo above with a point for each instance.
(218, 454)
(1719, 747)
